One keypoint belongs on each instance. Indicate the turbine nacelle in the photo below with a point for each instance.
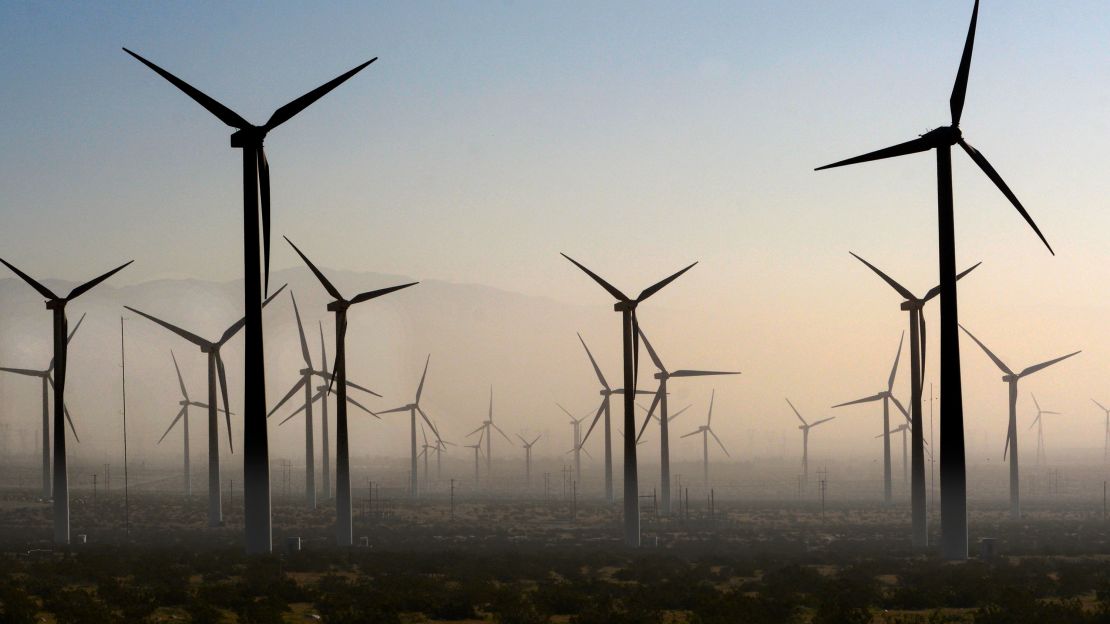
(944, 136)
(56, 304)
(339, 306)
(912, 304)
(1011, 378)
(251, 136)
(625, 306)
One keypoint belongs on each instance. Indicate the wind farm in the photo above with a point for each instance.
(525, 192)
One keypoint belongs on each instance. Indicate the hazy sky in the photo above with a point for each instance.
(637, 137)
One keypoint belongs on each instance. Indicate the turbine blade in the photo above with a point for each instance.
(597, 369)
(651, 290)
(1043, 365)
(222, 112)
(403, 408)
(701, 373)
(288, 395)
(187, 335)
(712, 397)
(75, 328)
(906, 294)
(671, 417)
(22, 371)
(362, 407)
(1034, 423)
(823, 420)
(69, 420)
(992, 356)
(597, 417)
(796, 412)
(234, 329)
(997, 179)
(351, 384)
(935, 290)
(263, 168)
(901, 408)
(180, 379)
(604, 284)
(556, 403)
(959, 90)
(89, 285)
(222, 375)
(503, 434)
(300, 332)
(894, 369)
(651, 353)
(868, 399)
(1038, 405)
(722, 444)
(42, 290)
(1100, 406)
(287, 112)
(691, 433)
(432, 425)
(373, 294)
(902, 149)
(420, 388)
(320, 276)
(180, 415)
(302, 408)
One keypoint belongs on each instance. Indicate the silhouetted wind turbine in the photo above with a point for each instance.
(886, 396)
(576, 426)
(663, 375)
(211, 348)
(488, 426)
(306, 383)
(57, 305)
(1106, 434)
(1011, 378)
(706, 431)
(256, 187)
(953, 475)
(902, 428)
(1039, 424)
(183, 418)
(805, 427)
(603, 409)
(630, 330)
(343, 521)
(528, 458)
(916, 307)
(47, 383)
(477, 446)
(413, 408)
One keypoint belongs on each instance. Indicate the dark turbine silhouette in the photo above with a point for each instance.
(256, 202)
(953, 473)
(183, 418)
(630, 332)
(487, 428)
(1038, 422)
(1106, 431)
(47, 379)
(916, 307)
(414, 408)
(343, 520)
(660, 400)
(1011, 378)
(305, 382)
(211, 349)
(57, 305)
(805, 427)
(706, 430)
(886, 396)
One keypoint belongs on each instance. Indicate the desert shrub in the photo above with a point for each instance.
(16, 606)
(77, 606)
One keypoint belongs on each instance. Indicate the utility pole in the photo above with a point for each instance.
(823, 486)
(123, 391)
(574, 502)
(452, 500)
(94, 491)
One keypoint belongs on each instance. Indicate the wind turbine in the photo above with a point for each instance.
(902, 428)
(1039, 424)
(343, 521)
(706, 431)
(488, 426)
(663, 375)
(670, 418)
(305, 382)
(916, 307)
(953, 474)
(211, 348)
(630, 333)
(805, 427)
(47, 383)
(1011, 378)
(576, 426)
(477, 446)
(57, 305)
(528, 458)
(413, 408)
(603, 409)
(183, 417)
(886, 396)
(1106, 435)
(256, 201)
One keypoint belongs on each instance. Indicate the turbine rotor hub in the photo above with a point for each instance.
(945, 135)
(248, 137)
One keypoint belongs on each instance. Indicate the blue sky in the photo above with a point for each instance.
(635, 136)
